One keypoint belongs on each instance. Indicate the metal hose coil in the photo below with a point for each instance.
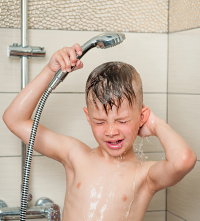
(29, 154)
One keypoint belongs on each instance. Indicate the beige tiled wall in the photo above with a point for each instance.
(184, 65)
(63, 112)
(154, 216)
(172, 217)
(183, 200)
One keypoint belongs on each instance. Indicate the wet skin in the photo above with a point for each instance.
(109, 182)
(106, 189)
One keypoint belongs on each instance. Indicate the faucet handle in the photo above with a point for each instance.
(2, 204)
(42, 201)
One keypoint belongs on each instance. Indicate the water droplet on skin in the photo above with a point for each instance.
(147, 140)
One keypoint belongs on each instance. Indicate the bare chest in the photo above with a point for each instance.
(103, 192)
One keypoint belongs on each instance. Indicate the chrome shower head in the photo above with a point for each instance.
(105, 40)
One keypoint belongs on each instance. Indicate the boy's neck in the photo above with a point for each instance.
(129, 155)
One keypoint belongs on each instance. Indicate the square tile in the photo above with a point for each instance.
(184, 118)
(171, 217)
(184, 65)
(183, 198)
(154, 216)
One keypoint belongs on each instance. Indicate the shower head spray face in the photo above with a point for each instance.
(105, 40)
(108, 40)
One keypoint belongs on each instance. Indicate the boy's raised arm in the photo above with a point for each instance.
(17, 116)
(180, 158)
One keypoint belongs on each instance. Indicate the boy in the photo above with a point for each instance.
(106, 183)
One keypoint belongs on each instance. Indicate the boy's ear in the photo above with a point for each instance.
(86, 114)
(144, 115)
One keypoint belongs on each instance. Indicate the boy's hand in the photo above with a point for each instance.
(65, 58)
(148, 128)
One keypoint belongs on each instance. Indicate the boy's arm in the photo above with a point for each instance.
(180, 158)
(17, 116)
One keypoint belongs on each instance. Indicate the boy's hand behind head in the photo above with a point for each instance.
(65, 58)
(148, 128)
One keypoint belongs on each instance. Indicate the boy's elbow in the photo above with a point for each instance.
(187, 161)
(5, 117)
(8, 120)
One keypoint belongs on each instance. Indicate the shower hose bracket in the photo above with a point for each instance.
(16, 50)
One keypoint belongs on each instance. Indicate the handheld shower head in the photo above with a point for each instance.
(105, 40)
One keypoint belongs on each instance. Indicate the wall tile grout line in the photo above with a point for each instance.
(167, 97)
(10, 156)
(167, 32)
(153, 211)
(36, 155)
(183, 93)
(174, 32)
(177, 216)
(9, 92)
(86, 30)
(167, 93)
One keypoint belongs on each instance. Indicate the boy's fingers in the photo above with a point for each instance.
(72, 55)
(79, 65)
(61, 62)
(67, 61)
(69, 54)
(77, 48)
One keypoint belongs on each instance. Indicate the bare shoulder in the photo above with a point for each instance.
(78, 151)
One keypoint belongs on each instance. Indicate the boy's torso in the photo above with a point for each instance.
(103, 190)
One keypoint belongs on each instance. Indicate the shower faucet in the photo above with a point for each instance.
(44, 208)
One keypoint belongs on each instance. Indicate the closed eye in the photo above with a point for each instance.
(122, 122)
(99, 123)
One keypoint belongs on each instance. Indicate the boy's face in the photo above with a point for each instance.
(116, 131)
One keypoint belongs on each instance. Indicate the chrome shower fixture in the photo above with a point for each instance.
(103, 41)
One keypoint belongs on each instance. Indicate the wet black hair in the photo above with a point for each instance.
(111, 83)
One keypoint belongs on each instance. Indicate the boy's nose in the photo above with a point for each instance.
(111, 131)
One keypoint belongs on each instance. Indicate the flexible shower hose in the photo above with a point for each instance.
(29, 154)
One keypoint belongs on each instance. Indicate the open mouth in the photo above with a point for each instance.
(116, 144)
